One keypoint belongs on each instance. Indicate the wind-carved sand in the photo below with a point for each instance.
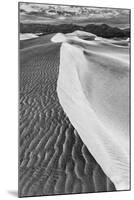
(26, 36)
(93, 89)
(52, 157)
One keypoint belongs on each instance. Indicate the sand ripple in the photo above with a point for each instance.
(52, 157)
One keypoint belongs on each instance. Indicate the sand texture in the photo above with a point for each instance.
(52, 157)
(93, 89)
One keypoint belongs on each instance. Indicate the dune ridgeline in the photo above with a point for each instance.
(93, 90)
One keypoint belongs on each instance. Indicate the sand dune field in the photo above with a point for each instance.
(52, 157)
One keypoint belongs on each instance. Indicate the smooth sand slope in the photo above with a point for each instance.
(52, 157)
(93, 89)
(27, 36)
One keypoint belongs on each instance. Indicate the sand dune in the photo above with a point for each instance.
(93, 89)
(52, 157)
(26, 36)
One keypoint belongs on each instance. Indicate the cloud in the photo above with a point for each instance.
(29, 7)
(71, 13)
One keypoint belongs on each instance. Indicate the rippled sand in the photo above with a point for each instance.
(52, 157)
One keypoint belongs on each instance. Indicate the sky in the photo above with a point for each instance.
(59, 14)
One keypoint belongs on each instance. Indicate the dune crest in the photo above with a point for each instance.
(93, 89)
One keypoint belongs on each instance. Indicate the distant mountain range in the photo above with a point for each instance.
(102, 30)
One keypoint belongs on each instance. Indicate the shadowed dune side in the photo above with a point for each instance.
(93, 89)
(52, 157)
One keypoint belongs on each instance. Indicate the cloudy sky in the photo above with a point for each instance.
(57, 14)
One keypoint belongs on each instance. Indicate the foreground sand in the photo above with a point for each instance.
(93, 89)
(52, 157)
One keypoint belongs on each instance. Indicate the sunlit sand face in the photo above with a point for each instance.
(106, 85)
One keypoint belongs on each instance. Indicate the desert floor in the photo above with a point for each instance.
(52, 157)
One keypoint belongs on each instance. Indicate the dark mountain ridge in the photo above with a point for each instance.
(102, 30)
